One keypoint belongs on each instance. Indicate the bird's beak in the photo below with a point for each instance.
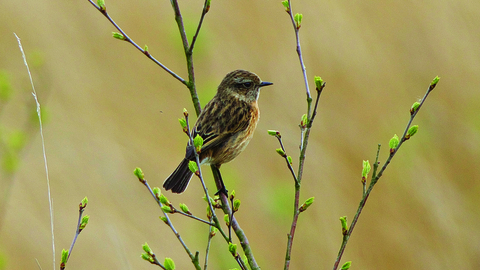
(265, 84)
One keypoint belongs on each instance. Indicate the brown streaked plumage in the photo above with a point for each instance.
(226, 125)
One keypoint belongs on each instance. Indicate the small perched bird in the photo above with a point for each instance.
(226, 125)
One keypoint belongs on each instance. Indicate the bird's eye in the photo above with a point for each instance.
(247, 84)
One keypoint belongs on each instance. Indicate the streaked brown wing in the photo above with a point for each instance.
(218, 121)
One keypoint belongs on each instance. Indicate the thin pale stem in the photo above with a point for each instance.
(375, 178)
(77, 231)
(129, 40)
(236, 227)
(206, 7)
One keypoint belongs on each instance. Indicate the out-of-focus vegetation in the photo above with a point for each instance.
(110, 109)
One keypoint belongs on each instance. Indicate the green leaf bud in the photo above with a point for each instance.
(192, 165)
(226, 218)
(183, 123)
(166, 209)
(209, 212)
(164, 219)
(118, 36)
(232, 248)
(101, 4)
(343, 221)
(169, 264)
(287, 7)
(83, 223)
(157, 192)
(83, 203)
(185, 208)
(318, 82)
(298, 20)
(411, 131)
(198, 143)
(236, 205)
(414, 107)
(147, 257)
(147, 248)
(306, 204)
(366, 168)
(394, 141)
(145, 48)
(304, 121)
(435, 81)
(139, 173)
(280, 152)
(274, 133)
(346, 265)
(64, 256)
(163, 199)
(289, 158)
(185, 112)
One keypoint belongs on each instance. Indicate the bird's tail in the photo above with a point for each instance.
(179, 179)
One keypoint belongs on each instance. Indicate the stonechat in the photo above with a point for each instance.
(226, 125)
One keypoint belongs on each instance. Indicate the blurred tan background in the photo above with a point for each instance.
(109, 109)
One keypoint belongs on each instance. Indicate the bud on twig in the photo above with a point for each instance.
(343, 221)
(147, 249)
(164, 219)
(198, 143)
(306, 204)
(185, 209)
(118, 36)
(101, 5)
(183, 123)
(139, 174)
(298, 20)
(192, 165)
(414, 107)
(346, 265)
(274, 133)
(157, 192)
(167, 209)
(394, 141)
(83, 223)
(232, 248)
(318, 82)
(163, 199)
(64, 259)
(280, 152)
(434, 83)
(411, 131)
(226, 218)
(169, 264)
(286, 6)
(236, 205)
(365, 170)
(304, 121)
(83, 203)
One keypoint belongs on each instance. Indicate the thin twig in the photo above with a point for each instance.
(206, 8)
(236, 227)
(170, 224)
(39, 114)
(129, 40)
(77, 231)
(209, 241)
(296, 211)
(188, 54)
(376, 177)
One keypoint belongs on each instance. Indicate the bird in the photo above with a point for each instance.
(226, 125)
